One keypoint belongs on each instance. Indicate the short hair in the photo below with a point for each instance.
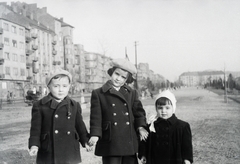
(59, 76)
(163, 101)
(129, 79)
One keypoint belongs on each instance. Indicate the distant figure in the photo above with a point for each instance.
(170, 139)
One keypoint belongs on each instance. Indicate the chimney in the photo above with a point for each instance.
(61, 19)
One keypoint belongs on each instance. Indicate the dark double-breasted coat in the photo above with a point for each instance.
(57, 129)
(170, 144)
(115, 117)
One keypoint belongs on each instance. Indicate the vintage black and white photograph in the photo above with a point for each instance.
(119, 81)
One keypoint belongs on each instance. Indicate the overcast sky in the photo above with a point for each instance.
(173, 36)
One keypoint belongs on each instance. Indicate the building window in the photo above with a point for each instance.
(14, 29)
(6, 41)
(21, 31)
(14, 43)
(7, 70)
(15, 71)
(21, 45)
(5, 27)
(15, 57)
(22, 72)
(7, 55)
(22, 58)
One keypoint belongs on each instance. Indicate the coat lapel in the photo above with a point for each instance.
(123, 93)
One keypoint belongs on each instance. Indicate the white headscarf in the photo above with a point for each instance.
(169, 95)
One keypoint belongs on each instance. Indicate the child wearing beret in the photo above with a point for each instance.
(117, 117)
(57, 126)
(170, 139)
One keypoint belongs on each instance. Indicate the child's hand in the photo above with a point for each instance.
(89, 147)
(143, 133)
(33, 150)
(143, 160)
(93, 140)
(187, 162)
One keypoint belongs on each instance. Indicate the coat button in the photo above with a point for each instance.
(125, 104)
(127, 123)
(114, 114)
(68, 117)
(56, 131)
(68, 132)
(56, 116)
(126, 113)
(115, 123)
(113, 104)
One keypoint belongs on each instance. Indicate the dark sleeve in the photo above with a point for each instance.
(138, 111)
(187, 149)
(81, 127)
(95, 115)
(144, 146)
(35, 129)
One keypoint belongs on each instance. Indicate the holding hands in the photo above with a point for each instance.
(143, 133)
(92, 141)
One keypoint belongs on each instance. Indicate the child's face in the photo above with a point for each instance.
(165, 111)
(119, 77)
(59, 87)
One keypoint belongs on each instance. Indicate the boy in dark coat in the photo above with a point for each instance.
(57, 126)
(170, 139)
(117, 117)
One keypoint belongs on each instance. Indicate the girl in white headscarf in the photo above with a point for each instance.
(170, 139)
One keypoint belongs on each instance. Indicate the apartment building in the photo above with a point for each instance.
(96, 66)
(200, 78)
(22, 55)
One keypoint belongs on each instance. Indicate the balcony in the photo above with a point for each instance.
(28, 65)
(1, 45)
(54, 42)
(35, 58)
(34, 47)
(1, 61)
(29, 78)
(2, 76)
(28, 39)
(54, 52)
(28, 52)
(55, 62)
(34, 35)
(1, 30)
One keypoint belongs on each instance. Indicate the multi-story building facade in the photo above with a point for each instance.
(96, 66)
(200, 78)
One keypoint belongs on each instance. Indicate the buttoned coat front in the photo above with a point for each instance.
(170, 144)
(57, 129)
(115, 116)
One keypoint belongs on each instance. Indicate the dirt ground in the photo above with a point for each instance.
(214, 123)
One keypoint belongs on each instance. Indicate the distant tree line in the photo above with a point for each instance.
(231, 83)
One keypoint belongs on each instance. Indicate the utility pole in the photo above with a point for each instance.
(136, 83)
(225, 90)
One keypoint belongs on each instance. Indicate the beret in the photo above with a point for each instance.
(169, 95)
(57, 71)
(125, 65)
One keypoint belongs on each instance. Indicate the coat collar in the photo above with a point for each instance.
(108, 85)
(123, 93)
(172, 120)
(53, 103)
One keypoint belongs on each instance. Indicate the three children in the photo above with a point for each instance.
(117, 121)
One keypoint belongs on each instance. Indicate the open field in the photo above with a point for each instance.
(215, 128)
